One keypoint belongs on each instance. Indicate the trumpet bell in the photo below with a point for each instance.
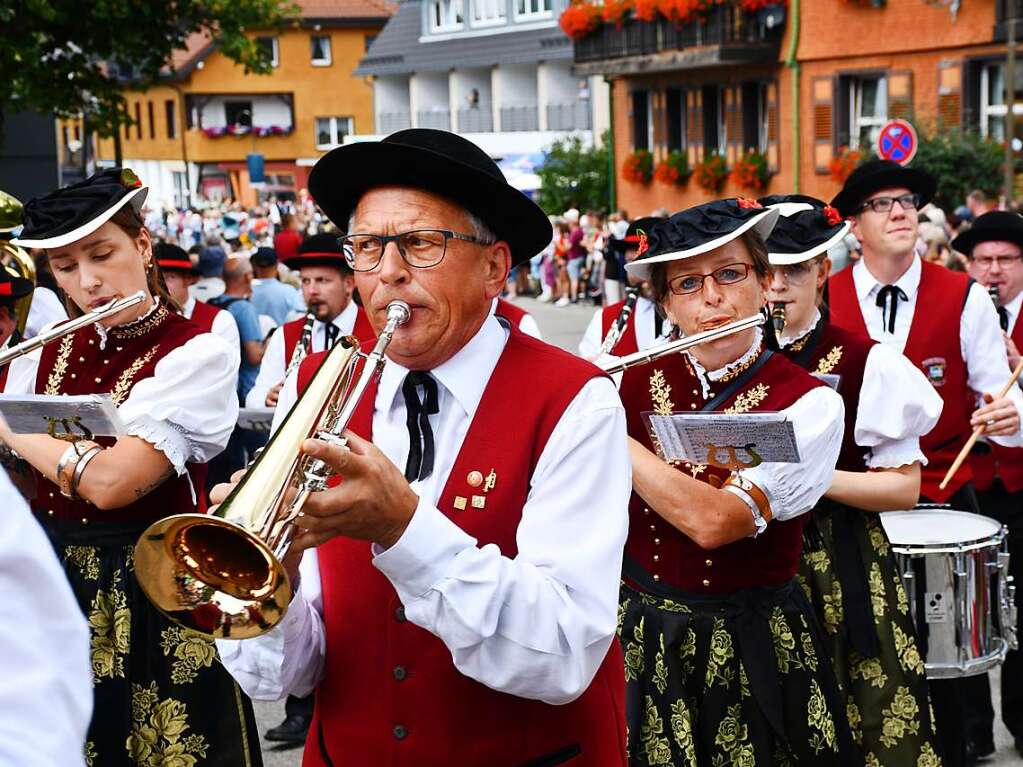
(212, 576)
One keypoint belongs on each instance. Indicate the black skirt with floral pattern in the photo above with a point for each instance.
(734, 681)
(162, 697)
(882, 673)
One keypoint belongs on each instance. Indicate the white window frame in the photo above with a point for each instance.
(856, 122)
(534, 10)
(478, 20)
(275, 57)
(325, 62)
(989, 109)
(335, 136)
(453, 10)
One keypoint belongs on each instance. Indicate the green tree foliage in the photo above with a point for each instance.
(961, 162)
(575, 176)
(56, 54)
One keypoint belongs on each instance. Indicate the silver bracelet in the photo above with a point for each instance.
(742, 495)
(69, 454)
(80, 468)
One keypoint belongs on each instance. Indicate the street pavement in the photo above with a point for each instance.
(564, 326)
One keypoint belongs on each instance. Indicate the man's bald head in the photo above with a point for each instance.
(235, 269)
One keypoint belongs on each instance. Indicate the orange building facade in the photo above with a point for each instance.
(189, 137)
(797, 84)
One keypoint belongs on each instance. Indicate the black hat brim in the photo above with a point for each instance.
(136, 197)
(337, 262)
(971, 238)
(19, 288)
(852, 195)
(344, 175)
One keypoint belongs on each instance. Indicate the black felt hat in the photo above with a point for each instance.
(13, 287)
(882, 174)
(998, 225)
(641, 226)
(701, 229)
(321, 249)
(807, 227)
(76, 211)
(264, 256)
(435, 161)
(171, 258)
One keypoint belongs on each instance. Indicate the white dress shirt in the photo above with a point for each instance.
(818, 420)
(897, 406)
(223, 324)
(275, 362)
(536, 626)
(643, 320)
(527, 324)
(1012, 309)
(980, 335)
(46, 309)
(45, 672)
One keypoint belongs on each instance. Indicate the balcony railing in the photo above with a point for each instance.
(1005, 11)
(574, 115)
(476, 119)
(724, 25)
(520, 118)
(434, 118)
(389, 122)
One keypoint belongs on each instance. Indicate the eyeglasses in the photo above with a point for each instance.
(729, 274)
(419, 248)
(1004, 262)
(795, 274)
(884, 204)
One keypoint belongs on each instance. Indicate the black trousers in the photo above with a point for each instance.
(998, 503)
(295, 706)
(948, 695)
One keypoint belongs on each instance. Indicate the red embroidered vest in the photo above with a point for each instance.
(510, 311)
(670, 385)
(627, 344)
(1003, 462)
(391, 694)
(77, 365)
(836, 351)
(203, 315)
(934, 347)
(293, 332)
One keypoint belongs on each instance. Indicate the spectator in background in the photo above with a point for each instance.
(270, 296)
(575, 259)
(287, 240)
(236, 300)
(211, 267)
(979, 202)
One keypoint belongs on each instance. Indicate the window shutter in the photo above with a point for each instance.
(733, 125)
(823, 91)
(694, 126)
(900, 94)
(772, 126)
(950, 94)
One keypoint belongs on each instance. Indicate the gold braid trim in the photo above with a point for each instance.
(749, 399)
(660, 393)
(139, 328)
(829, 361)
(120, 390)
(60, 366)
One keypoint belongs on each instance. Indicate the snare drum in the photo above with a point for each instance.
(955, 568)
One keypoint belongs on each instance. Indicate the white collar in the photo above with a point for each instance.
(103, 332)
(1013, 308)
(705, 376)
(347, 315)
(784, 341)
(189, 306)
(866, 283)
(465, 375)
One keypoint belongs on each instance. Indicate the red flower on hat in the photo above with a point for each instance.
(748, 202)
(644, 245)
(832, 215)
(129, 179)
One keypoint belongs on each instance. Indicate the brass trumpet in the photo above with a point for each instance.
(220, 573)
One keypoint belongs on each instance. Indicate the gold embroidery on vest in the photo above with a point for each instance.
(829, 361)
(748, 399)
(139, 328)
(120, 390)
(60, 366)
(660, 393)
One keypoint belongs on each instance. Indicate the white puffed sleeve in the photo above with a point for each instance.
(897, 406)
(189, 406)
(818, 419)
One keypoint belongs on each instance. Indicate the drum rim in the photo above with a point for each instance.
(995, 539)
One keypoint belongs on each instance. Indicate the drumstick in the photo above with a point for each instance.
(979, 430)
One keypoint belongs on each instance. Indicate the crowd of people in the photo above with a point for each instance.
(516, 567)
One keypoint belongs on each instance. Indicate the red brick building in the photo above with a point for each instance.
(796, 83)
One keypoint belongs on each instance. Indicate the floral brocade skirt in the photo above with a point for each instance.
(162, 698)
(736, 681)
(870, 635)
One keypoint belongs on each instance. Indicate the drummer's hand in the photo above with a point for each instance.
(1000, 417)
(273, 394)
(373, 503)
(1011, 351)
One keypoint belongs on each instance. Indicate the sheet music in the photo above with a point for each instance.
(84, 415)
(724, 439)
(830, 379)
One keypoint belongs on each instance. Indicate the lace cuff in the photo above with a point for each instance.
(893, 454)
(165, 437)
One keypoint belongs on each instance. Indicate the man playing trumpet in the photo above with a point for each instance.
(460, 606)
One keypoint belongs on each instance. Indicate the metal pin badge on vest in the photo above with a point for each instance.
(475, 478)
(934, 369)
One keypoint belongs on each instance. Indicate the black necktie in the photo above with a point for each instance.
(420, 434)
(329, 336)
(1003, 318)
(897, 294)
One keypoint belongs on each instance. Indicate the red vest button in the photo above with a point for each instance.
(399, 614)
(400, 672)
(400, 731)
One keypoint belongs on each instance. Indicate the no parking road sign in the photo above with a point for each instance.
(897, 142)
